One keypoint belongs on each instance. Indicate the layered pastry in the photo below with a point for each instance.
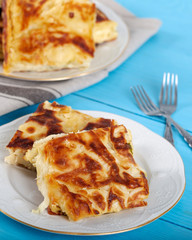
(1, 33)
(49, 118)
(44, 35)
(88, 173)
(71, 48)
(105, 30)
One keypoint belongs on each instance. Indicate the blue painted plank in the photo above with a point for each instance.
(158, 229)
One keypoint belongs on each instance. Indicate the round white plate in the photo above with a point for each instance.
(165, 174)
(105, 55)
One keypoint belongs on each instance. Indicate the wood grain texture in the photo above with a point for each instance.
(156, 230)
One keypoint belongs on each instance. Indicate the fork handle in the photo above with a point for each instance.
(168, 132)
(185, 134)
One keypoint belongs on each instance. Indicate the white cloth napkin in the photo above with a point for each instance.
(15, 94)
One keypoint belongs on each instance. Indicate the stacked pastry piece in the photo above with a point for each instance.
(44, 36)
(85, 165)
(48, 119)
(1, 32)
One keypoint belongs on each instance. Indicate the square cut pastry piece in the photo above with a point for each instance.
(46, 35)
(49, 118)
(88, 173)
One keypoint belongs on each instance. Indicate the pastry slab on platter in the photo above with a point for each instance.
(162, 163)
(49, 118)
(110, 36)
(45, 35)
(88, 173)
(84, 165)
(104, 30)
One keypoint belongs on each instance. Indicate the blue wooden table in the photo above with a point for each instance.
(170, 50)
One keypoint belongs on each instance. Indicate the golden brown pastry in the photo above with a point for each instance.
(49, 118)
(88, 173)
(44, 35)
(105, 30)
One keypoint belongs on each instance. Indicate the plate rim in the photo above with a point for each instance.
(74, 75)
(101, 233)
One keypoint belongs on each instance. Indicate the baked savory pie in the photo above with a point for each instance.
(105, 30)
(1, 31)
(49, 118)
(1, 49)
(72, 49)
(68, 47)
(46, 35)
(88, 173)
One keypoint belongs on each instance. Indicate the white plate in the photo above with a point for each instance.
(105, 55)
(165, 174)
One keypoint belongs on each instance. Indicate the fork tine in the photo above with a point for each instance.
(176, 85)
(152, 105)
(135, 93)
(171, 88)
(162, 89)
(142, 99)
(167, 88)
(147, 105)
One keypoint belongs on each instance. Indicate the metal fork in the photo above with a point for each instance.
(149, 108)
(168, 101)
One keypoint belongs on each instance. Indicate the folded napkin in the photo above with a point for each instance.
(15, 94)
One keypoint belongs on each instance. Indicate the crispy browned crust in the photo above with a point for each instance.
(18, 141)
(31, 11)
(100, 16)
(5, 32)
(79, 201)
(35, 40)
(49, 118)
(31, 43)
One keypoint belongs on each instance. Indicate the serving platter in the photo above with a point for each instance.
(160, 160)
